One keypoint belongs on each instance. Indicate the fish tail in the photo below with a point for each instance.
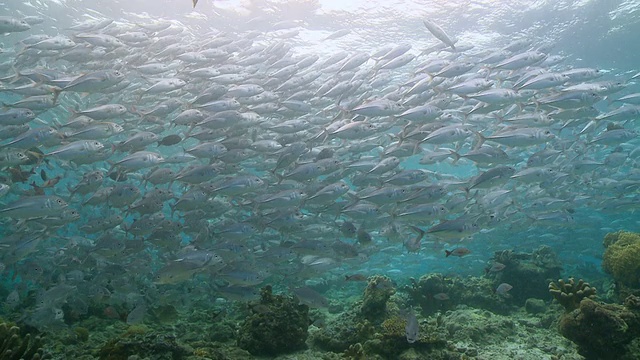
(56, 94)
(16, 74)
(481, 140)
(416, 147)
(456, 156)
(448, 253)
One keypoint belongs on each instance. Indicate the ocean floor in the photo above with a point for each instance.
(460, 333)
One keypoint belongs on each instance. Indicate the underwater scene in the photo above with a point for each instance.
(319, 179)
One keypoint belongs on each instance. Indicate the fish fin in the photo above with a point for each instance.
(56, 94)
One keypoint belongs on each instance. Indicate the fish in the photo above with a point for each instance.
(440, 34)
(441, 296)
(495, 267)
(136, 316)
(34, 206)
(412, 328)
(170, 140)
(217, 152)
(355, 277)
(459, 252)
(503, 290)
(310, 297)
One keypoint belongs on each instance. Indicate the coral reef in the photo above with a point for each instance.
(138, 341)
(277, 324)
(529, 274)
(390, 341)
(15, 345)
(355, 352)
(340, 333)
(603, 331)
(376, 295)
(569, 293)
(621, 259)
(436, 292)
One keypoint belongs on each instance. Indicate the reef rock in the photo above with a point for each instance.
(278, 324)
(603, 331)
(529, 274)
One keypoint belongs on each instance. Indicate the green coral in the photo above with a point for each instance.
(374, 302)
(603, 331)
(355, 352)
(277, 324)
(569, 293)
(14, 345)
(622, 257)
(394, 326)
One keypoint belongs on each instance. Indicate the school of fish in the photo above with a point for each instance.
(137, 157)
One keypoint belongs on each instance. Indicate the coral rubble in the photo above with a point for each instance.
(138, 341)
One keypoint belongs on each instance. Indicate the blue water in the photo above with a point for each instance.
(594, 34)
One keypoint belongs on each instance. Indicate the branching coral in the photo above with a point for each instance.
(15, 346)
(569, 293)
(355, 352)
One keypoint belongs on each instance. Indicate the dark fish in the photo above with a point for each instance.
(325, 153)
(18, 175)
(35, 155)
(460, 252)
(170, 140)
(355, 277)
(348, 229)
(364, 237)
(118, 176)
(43, 175)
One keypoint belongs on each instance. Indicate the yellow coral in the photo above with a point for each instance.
(622, 257)
(394, 326)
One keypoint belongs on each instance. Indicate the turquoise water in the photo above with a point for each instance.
(63, 270)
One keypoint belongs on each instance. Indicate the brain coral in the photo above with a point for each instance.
(622, 257)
